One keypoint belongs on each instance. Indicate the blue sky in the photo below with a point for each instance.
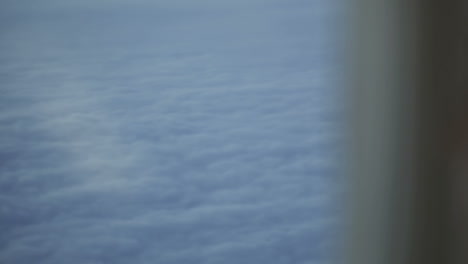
(168, 131)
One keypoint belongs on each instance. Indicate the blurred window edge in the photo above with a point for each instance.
(408, 68)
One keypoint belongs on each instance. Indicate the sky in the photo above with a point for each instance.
(168, 132)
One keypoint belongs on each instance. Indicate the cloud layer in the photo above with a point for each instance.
(168, 135)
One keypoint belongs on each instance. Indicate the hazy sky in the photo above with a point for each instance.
(173, 131)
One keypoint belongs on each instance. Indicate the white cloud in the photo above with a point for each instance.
(203, 141)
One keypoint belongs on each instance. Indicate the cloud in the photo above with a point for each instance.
(196, 140)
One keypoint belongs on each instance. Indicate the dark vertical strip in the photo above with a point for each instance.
(438, 95)
(409, 126)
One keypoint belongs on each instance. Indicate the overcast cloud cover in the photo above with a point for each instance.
(168, 131)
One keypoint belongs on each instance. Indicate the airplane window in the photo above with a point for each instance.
(169, 131)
